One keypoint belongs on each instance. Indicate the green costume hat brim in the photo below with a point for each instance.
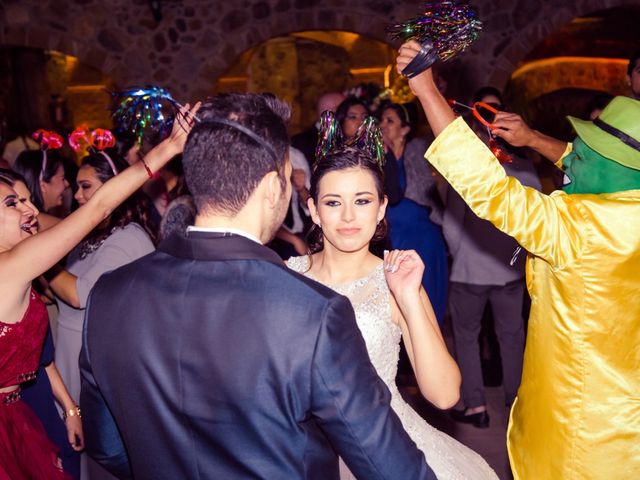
(623, 114)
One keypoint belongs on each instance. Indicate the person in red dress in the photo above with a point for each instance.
(25, 451)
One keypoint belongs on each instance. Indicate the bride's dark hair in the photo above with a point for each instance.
(343, 159)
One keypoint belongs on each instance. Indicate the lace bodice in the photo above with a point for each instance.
(371, 302)
(370, 298)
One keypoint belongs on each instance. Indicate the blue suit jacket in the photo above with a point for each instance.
(209, 359)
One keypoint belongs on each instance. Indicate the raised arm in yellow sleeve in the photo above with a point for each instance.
(544, 225)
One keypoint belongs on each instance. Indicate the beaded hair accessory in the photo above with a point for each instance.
(368, 139)
(48, 140)
(98, 140)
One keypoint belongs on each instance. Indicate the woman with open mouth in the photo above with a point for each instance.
(25, 450)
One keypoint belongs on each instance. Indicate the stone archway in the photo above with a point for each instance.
(543, 19)
(195, 41)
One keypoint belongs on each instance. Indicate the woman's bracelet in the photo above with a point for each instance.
(72, 412)
(146, 167)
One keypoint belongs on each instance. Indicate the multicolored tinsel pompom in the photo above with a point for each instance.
(369, 139)
(330, 134)
(140, 109)
(450, 26)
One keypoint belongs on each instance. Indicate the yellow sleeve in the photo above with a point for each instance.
(567, 151)
(544, 225)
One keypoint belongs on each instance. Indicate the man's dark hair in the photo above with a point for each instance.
(633, 60)
(485, 92)
(223, 165)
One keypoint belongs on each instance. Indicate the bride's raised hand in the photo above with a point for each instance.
(403, 271)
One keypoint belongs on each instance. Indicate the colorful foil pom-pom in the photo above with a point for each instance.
(451, 27)
(48, 140)
(330, 134)
(369, 139)
(142, 108)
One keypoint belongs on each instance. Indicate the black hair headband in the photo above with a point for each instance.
(246, 131)
(619, 134)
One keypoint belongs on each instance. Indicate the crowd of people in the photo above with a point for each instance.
(231, 303)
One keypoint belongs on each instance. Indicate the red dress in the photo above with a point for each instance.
(25, 451)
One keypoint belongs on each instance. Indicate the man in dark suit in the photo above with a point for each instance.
(210, 359)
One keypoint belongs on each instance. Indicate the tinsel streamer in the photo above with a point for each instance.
(142, 108)
(369, 139)
(450, 26)
(330, 134)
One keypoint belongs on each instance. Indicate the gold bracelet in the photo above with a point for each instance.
(72, 412)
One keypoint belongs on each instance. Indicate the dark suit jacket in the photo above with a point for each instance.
(217, 362)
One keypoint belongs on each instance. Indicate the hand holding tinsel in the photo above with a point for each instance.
(368, 139)
(140, 109)
(444, 30)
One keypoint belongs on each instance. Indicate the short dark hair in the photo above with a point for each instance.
(598, 102)
(29, 164)
(344, 159)
(633, 60)
(343, 108)
(223, 165)
(486, 91)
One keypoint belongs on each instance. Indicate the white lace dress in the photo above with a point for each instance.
(369, 296)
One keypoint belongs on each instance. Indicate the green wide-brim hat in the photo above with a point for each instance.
(620, 119)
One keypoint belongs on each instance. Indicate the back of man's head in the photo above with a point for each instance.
(224, 164)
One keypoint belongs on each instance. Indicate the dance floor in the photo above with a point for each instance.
(489, 442)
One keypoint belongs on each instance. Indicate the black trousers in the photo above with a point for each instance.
(466, 306)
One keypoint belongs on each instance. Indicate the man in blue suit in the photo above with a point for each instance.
(210, 359)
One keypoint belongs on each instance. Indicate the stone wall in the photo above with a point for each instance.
(196, 40)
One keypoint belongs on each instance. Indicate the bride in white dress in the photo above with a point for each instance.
(347, 205)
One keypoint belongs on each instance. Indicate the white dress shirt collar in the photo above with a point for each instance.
(235, 231)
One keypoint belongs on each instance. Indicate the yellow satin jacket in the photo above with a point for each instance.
(577, 414)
